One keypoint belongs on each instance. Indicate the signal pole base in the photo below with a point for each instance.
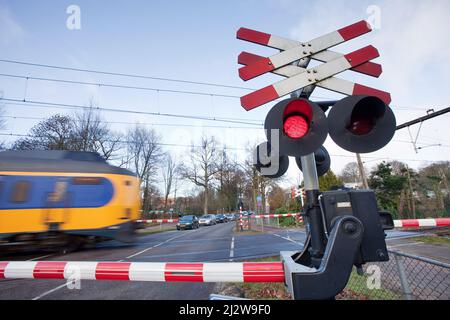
(305, 282)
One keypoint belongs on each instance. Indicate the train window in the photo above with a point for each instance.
(87, 180)
(20, 191)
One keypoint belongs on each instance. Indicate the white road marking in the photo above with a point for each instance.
(288, 239)
(157, 245)
(232, 249)
(50, 291)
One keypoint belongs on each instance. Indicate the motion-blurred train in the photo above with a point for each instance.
(65, 198)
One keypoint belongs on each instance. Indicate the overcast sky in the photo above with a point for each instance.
(196, 41)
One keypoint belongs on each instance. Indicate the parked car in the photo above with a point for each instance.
(207, 220)
(221, 218)
(230, 217)
(187, 222)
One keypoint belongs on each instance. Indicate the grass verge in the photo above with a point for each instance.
(433, 240)
(357, 289)
(144, 232)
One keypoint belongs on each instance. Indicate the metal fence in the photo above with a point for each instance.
(258, 224)
(403, 277)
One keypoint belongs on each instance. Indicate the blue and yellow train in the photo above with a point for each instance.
(65, 196)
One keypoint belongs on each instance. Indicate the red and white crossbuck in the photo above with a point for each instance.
(299, 77)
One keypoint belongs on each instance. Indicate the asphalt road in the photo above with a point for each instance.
(205, 244)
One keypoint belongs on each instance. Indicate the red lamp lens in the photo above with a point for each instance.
(295, 126)
(361, 126)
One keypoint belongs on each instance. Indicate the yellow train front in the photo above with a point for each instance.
(65, 197)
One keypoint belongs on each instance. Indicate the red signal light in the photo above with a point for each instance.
(295, 126)
(296, 117)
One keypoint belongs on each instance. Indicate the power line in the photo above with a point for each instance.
(190, 125)
(230, 148)
(128, 75)
(45, 104)
(123, 141)
(142, 123)
(111, 85)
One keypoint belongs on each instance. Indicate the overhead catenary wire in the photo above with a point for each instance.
(113, 85)
(46, 104)
(189, 125)
(142, 123)
(123, 74)
(227, 147)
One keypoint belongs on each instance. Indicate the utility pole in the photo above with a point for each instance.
(413, 203)
(362, 172)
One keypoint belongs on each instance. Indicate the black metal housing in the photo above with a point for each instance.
(323, 161)
(363, 205)
(340, 118)
(283, 162)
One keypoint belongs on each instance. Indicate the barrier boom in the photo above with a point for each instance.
(144, 271)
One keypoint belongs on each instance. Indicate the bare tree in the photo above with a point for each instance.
(54, 133)
(145, 152)
(169, 172)
(2, 123)
(202, 167)
(91, 133)
(350, 173)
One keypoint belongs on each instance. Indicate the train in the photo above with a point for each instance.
(65, 198)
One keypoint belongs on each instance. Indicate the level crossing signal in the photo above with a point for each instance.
(362, 122)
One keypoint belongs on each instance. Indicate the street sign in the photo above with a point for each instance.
(299, 77)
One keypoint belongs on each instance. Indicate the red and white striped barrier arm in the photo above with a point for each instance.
(406, 223)
(333, 84)
(276, 215)
(438, 222)
(158, 221)
(314, 46)
(311, 76)
(144, 271)
(280, 43)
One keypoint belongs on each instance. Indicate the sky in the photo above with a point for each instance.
(196, 41)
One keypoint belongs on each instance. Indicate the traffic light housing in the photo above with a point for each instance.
(323, 161)
(268, 166)
(298, 127)
(361, 123)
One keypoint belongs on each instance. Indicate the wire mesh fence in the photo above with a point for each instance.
(403, 277)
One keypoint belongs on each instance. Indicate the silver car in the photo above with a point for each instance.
(207, 220)
(230, 217)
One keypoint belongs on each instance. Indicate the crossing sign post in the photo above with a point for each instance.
(362, 122)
